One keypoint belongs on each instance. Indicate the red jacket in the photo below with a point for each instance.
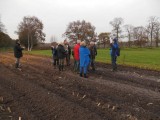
(76, 51)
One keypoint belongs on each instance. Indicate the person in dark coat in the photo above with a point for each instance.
(61, 56)
(55, 55)
(18, 53)
(84, 59)
(113, 52)
(93, 53)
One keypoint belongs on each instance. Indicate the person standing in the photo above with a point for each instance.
(93, 53)
(76, 55)
(114, 51)
(61, 55)
(18, 53)
(55, 55)
(84, 54)
(68, 52)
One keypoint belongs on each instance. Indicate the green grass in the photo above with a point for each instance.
(6, 49)
(40, 52)
(138, 57)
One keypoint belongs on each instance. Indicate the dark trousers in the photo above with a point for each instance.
(17, 62)
(61, 64)
(83, 69)
(55, 62)
(76, 65)
(92, 64)
(114, 60)
(67, 59)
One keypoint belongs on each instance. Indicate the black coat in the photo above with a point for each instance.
(54, 53)
(18, 51)
(93, 51)
(61, 52)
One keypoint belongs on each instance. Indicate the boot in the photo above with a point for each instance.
(16, 65)
(54, 66)
(59, 67)
(93, 69)
(80, 74)
(62, 67)
(85, 76)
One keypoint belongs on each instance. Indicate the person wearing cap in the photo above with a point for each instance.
(18, 53)
(76, 55)
(114, 53)
(84, 54)
(93, 53)
(61, 55)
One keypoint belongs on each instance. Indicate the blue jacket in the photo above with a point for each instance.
(114, 48)
(84, 54)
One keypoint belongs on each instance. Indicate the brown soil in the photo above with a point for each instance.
(40, 92)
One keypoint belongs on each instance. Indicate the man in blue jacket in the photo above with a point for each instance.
(114, 53)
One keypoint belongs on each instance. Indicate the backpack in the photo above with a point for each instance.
(118, 51)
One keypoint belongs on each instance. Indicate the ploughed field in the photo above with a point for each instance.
(40, 92)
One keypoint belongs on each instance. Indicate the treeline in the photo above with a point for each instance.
(5, 40)
(30, 33)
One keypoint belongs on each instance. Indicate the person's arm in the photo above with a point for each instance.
(69, 50)
(19, 48)
(95, 50)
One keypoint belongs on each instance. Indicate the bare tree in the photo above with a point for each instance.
(30, 32)
(116, 24)
(53, 39)
(129, 30)
(2, 27)
(151, 27)
(104, 38)
(80, 30)
(139, 34)
(157, 33)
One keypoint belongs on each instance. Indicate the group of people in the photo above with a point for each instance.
(83, 55)
(60, 52)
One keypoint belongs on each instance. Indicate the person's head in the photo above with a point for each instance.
(92, 43)
(61, 43)
(83, 43)
(17, 41)
(65, 42)
(115, 40)
(78, 41)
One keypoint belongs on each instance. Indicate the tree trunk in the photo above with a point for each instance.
(157, 39)
(117, 35)
(28, 42)
(151, 35)
(129, 40)
(31, 44)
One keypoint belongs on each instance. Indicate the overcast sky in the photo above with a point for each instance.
(56, 14)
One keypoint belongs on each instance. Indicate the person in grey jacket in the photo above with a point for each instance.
(93, 53)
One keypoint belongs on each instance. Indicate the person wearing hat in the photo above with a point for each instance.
(114, 51)
(61, 55)
(93, 53)
(84, 54)
(18, 53)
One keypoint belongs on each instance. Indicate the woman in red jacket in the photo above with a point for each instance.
(76, 55)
